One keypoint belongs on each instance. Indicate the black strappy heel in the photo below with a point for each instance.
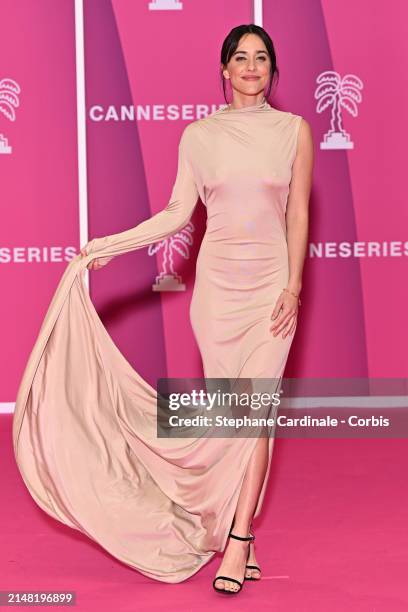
(255, 567)
(251, 538)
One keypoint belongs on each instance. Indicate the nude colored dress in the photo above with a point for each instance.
(84, 428)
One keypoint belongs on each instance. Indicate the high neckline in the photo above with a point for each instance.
(260, 106)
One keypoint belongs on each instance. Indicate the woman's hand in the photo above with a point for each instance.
(97, 263)
(284, 314)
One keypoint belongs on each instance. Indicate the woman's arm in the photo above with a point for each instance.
(165, 223)
(284, 315)
(297, 210)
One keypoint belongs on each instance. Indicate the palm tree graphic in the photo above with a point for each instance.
(339, 93)
(9, 91)
(168, 279)
(165, 5)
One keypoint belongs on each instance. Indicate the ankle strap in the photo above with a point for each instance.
(251, 538)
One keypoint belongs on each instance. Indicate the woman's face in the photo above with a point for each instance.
(249, 66)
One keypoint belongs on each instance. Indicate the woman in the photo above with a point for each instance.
(85, 441)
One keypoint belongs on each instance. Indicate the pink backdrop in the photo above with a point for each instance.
(352, 320)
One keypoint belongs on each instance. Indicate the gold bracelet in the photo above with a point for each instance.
(284, 289)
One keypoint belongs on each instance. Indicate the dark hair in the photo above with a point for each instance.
(231, 43)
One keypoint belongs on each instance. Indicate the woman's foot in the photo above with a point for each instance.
(253, 573)
(233, 564)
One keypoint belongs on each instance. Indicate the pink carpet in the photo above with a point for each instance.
(333, 536)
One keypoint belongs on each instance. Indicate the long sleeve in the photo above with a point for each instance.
(166, 222)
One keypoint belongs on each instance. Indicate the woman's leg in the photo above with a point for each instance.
(235, 554)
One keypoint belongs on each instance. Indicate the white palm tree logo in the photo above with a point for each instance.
(168, 279)
(165, 5)
(337, 92)
(9, 91)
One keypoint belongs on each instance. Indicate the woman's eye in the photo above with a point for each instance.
(261, 57)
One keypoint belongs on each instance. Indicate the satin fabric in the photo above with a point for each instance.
(84, 428)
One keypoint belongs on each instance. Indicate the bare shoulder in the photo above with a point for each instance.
(305, 131)
(305, 139)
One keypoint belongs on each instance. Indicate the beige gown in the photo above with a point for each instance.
(84, 428)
